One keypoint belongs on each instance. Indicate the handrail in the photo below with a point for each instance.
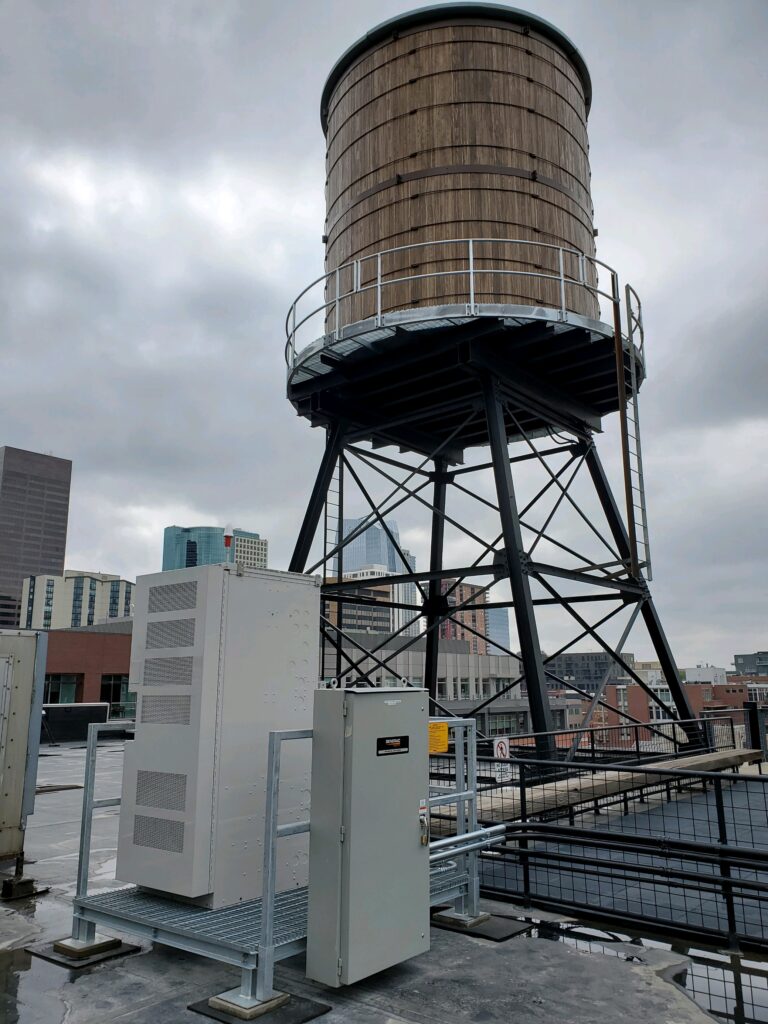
(344, 282)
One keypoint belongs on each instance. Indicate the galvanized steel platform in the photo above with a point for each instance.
(230, 934)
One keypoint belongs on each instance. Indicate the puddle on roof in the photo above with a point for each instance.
(732, 987)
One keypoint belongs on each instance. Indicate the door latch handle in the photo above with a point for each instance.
(424, 828)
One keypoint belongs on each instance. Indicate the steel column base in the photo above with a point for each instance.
(243, 1008)
(79, 949)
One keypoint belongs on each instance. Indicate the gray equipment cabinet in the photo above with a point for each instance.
(369, 852)
(22, 679)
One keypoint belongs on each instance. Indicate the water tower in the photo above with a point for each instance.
(462, 308)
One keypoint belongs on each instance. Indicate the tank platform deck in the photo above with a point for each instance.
(417, 384)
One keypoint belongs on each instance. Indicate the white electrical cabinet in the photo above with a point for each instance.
(220, 656)
(22, 679)
(369, 852)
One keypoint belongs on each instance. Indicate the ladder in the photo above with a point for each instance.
(637, 510)
(333, 567)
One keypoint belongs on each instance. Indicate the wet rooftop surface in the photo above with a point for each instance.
(584, 976)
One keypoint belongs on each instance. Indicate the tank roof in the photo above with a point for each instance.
(441, 12)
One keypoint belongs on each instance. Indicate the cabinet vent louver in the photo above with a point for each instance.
(165, 790)
(158, 833)
(162, 710)
(172, 633)
(168, 671)
(172, 597)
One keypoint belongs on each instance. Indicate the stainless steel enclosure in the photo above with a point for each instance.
(369, 853)
(221, 655)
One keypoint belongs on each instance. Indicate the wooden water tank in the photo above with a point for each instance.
(457, 122)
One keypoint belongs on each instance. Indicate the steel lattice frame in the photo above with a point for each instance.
(505, 557)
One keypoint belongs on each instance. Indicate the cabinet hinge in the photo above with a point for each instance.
(342, 833)
(339, 966)
(344, 708)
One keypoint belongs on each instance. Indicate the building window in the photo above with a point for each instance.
(115, 692)
(30, 601)
(128, 596)
(114, 599)
(77, 601)
(60, 688)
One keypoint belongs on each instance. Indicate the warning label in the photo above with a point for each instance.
(438, 737)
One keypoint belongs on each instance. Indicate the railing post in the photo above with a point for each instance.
(336, 307)
(637, 741)
(725, 867)
(378, 289)
(471, 278)
(752, 726)
(561, 268)
(266, 963)
(523, 844)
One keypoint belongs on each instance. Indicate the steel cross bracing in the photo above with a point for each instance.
(430, 485)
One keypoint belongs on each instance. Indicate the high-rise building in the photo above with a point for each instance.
(497, 621)
(465, 623)
(34, 511)
(373, 553)
(74, 599)
(588, 669)
(187, 546)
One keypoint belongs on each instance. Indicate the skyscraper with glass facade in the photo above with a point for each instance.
(497, 629)
(185, 546)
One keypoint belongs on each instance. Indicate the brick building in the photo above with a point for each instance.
(88, 665)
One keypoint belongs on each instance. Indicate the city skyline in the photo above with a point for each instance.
(165, 242)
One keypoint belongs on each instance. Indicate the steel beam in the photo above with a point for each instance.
(435, 566)
(650, 616)
(333, 446)
(541, 715)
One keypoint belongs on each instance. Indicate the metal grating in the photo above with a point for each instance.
(168, 671)
(166, 710)
(172, 633)
(237, 927)
(172, 597)
(164, 790)
(158, 833)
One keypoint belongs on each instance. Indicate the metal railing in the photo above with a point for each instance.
(680, 851)
(358, 290)
(631, 742)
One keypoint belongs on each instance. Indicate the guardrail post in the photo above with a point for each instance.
(561, 269)
(725, 867)
(337, 330)
(523, 844)
(378, 289)
(755, 736)
(471, 278)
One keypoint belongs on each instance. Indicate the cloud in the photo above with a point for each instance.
(161, 202)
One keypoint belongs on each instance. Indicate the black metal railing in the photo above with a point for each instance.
(629, 742)
(679, 851)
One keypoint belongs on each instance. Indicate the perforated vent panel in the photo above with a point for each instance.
(158, 833)
(168, 671)
(166, 790)
(173, 597)
(173, 633)
(162, 710)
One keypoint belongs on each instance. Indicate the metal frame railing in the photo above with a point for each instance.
(639, 740)
(345, 282)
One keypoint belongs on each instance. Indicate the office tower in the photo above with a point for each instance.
(187, 546)
(497, 624)
(34, 510)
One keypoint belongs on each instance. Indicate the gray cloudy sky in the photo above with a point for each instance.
(161, 202)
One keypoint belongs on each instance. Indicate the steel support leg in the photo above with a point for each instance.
(435, 565)
(530, 649)
(333, 447)
(648, 611)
